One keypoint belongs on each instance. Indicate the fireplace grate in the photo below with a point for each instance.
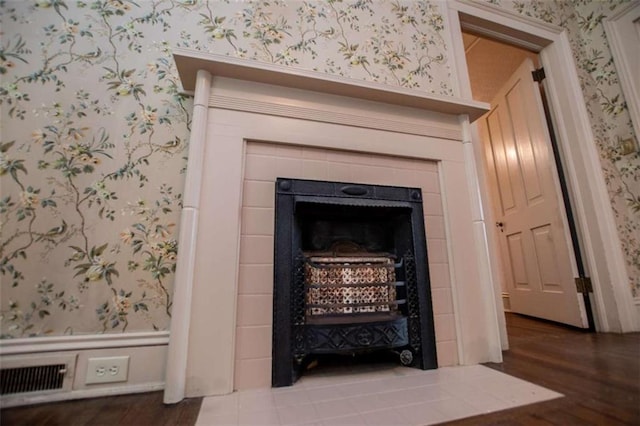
(343, 285)
(337, 286)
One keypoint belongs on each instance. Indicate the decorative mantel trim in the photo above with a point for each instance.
(230, 108)
(190, 61)
(34, 345)
(332, 116)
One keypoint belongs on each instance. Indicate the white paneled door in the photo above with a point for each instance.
(531, 221)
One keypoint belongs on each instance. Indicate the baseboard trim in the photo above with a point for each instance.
(82, 342)
(18, 400)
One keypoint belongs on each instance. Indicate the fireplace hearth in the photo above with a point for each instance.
(350, 275)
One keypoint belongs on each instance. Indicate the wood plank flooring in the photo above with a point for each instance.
(134, 410)
(599, 374)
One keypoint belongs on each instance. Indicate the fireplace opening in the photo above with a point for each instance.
(350, 275)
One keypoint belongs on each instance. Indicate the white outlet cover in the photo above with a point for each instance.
(107, 369)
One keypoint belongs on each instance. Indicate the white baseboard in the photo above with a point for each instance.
(147, 353)
(506, 302)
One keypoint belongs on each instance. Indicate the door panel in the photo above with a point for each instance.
(545, 253)
(537, 255)
(523, 138)
(517, 261)
(499, 155)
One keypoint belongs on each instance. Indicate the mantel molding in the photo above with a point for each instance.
(189, 61)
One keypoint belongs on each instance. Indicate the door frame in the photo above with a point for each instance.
(602, 251)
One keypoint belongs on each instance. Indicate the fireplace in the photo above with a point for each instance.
(254, 122)
(350, 275)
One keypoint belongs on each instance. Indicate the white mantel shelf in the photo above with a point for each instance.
(189, 61)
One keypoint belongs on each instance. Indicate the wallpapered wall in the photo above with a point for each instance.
(92, 151)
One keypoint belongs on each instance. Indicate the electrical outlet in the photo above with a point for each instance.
(107, 370)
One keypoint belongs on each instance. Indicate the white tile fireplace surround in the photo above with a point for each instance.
(255, 122)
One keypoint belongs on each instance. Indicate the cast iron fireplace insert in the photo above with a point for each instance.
(350, 275)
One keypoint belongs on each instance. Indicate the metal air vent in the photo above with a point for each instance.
(32, 379)
(29, 378)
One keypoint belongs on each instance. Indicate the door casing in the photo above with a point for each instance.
(603, 256)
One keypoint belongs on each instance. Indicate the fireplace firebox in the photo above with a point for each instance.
(350, 275)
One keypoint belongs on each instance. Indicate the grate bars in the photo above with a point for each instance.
(32, 379)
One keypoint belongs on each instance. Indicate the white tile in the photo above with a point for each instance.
(256, 400)
(442, 302)
(406, 382)
(432, 204)
(469, 373)
(260, 167)
(254, 310)
(385, 417)
(258, 194)
(253, 342)
(288, 168)
(389, 395)
(255, 279)
(439, 275)
(257, 221)
(265, 417)
(432, 393)
(335, 408)
(261, 148)
(293, 397)
(399, 397)
(314, 169)
(455, 408)
(437, 249)
(228, 420)
(524, 394)
(291, 151)
(423, 414)
(256, 249)
(365, 403)
(252, 373)
(476, 397)
(447, 353)
(314, 153)
(445, 327)
(351, 420)
(326, 393)
(434, 227)
(363, 388)
(339, 172)
(297, 414)
(224, 405)
(494, 382)
(428, 181)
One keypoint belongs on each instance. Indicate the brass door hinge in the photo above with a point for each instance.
(538, 75)
(583, 285)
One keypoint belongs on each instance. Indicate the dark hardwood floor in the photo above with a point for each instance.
(599, 374)
(134, 410)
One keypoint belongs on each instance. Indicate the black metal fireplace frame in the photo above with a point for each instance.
(290, 337)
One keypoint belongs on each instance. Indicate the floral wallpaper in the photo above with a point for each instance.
(606, 106)
(94, 133)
